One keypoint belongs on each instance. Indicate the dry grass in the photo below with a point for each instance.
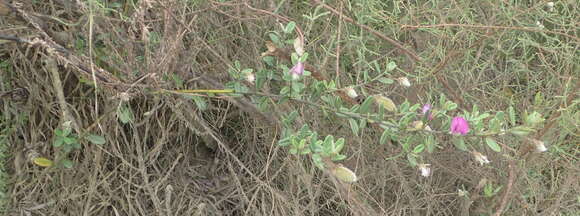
(178, 158)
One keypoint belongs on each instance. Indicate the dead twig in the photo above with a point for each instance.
(506, 196)
(528, 29)
(409, 53)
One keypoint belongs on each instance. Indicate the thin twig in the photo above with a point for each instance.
(528, 29)
(338, 46)
(506, 196)
(409, 53)
(297, 28)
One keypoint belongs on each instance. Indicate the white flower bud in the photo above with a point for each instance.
(425, 170)
(539, 24)
(540, 146)
(299, 46)
(461, 193)
(250, 77)
(403, 81)
(344, 174)
(350, 92)
(482, 159)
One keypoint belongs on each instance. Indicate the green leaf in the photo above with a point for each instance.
(338, 157)
(274, 38)
(66, 131)
(327, 146)
(386, 134)
(353, 126)
(177, 80)
(365, 106)
(200, 102)
(95, 139)
(344, 174)
(316, 146)
(125, 114)
(430, 144)
(460, 144)
(386, 102)
(317, 159)
(521, 130)
(58, 132)
(67, 163)
(538, 99)
(58, 142)
(450, 106)
(304, 57)
(386, 80)
(512, 115)
(247, 71)
(289, 27)
(412, 160)
(42, 161)
(338, 145)
(534, 118)
(391, 66)
(70, 140)
(492, 144)
(284, 141)
(419, 148)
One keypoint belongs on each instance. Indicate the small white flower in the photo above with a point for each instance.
(540, 146)
(124, 96)
(403, 81)
(351, 92)
(425, 170)
(427, 128)
(299, 46)
(539, 24)
(550, 4)
(461, 193)
(250, 77)
(482, 159)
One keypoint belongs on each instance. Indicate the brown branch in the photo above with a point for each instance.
(297, 28)
(506, 196)
(338, 34)
(409, 53)
(528, 29)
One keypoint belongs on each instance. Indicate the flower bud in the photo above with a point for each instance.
(425, 170)
(403, 81)
(482, 159)
(539, 24)
(540, 146)
(387, 103)
(250, 77)
(344, 174)
(350, 92)
(299, 46)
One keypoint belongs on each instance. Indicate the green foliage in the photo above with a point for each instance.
(95, 139)
(490, 190)
(64, 138)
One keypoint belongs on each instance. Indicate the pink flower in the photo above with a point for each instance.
(297, 70)
(459, 126)
(426, 108)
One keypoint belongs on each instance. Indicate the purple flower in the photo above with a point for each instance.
(297, 70)
(426, 108)
(427, 111)
(459, 126)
